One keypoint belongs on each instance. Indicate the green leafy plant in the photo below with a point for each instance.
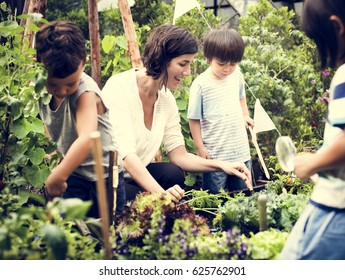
(242, 211)
(279, 69)
(266, 245)
(45, 233)
(155, 228)
(23, 144)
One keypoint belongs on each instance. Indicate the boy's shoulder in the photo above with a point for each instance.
(201, 78)
(87, 83)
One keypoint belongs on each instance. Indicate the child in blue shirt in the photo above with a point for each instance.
(319, 233)
(217, 110)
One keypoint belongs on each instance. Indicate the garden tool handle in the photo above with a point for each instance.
(115, 180)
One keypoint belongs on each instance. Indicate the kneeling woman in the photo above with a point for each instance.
(144, 115)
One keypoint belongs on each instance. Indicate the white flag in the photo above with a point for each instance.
(183, 6)
(261, 159)
(111, 4)
(262, 122)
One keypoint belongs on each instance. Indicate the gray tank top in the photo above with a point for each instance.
(61, 125)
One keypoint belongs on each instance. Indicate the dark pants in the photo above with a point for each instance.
(87, 191)
(167, 174)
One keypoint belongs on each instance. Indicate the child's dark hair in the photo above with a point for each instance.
(60, 46)
(318, 26)
(165, 43)
(224, 44)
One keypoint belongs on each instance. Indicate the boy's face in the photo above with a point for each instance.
(221, 69)
(61, 88)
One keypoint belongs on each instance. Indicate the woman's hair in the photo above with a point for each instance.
(60, 46)
(318, 26)
(164, 44)
(224, 44)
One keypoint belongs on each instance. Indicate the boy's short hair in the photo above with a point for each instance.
(60, 46)
(224, 44)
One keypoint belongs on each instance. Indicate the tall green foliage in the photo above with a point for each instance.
(281, 69)
(23, 144)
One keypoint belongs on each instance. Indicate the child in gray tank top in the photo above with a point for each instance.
(75, 110)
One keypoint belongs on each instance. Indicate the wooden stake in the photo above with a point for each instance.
(101, 192)
(94, 42)
(115, 180)
(127, 21)
(34, 6)
(262, 207)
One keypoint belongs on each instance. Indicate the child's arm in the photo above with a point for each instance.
(195, 130)
(329, 158)
(249, 122)
(86, 118)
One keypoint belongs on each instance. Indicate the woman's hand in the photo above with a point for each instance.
(238, 169)
(176, 193)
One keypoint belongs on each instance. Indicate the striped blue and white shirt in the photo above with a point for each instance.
(216, 103)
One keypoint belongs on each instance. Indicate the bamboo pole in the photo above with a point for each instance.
(24, 12)
(101, 192)
(94, 42)
(115, 175)
(128, 25)
(34, 6)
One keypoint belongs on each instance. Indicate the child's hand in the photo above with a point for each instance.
(302, 166)
(249, 122)
(55, 186)
(203, 152)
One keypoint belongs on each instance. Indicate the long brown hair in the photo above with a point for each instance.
(164, 44)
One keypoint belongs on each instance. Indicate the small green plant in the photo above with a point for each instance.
(266, 245)
(45, 233)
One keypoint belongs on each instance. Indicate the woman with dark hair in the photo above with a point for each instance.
(144, 115)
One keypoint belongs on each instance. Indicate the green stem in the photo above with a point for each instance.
(199, 197)
(205, 210)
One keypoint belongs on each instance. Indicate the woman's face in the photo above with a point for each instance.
(178, 68)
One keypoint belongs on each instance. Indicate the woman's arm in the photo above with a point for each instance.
(193, 163)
